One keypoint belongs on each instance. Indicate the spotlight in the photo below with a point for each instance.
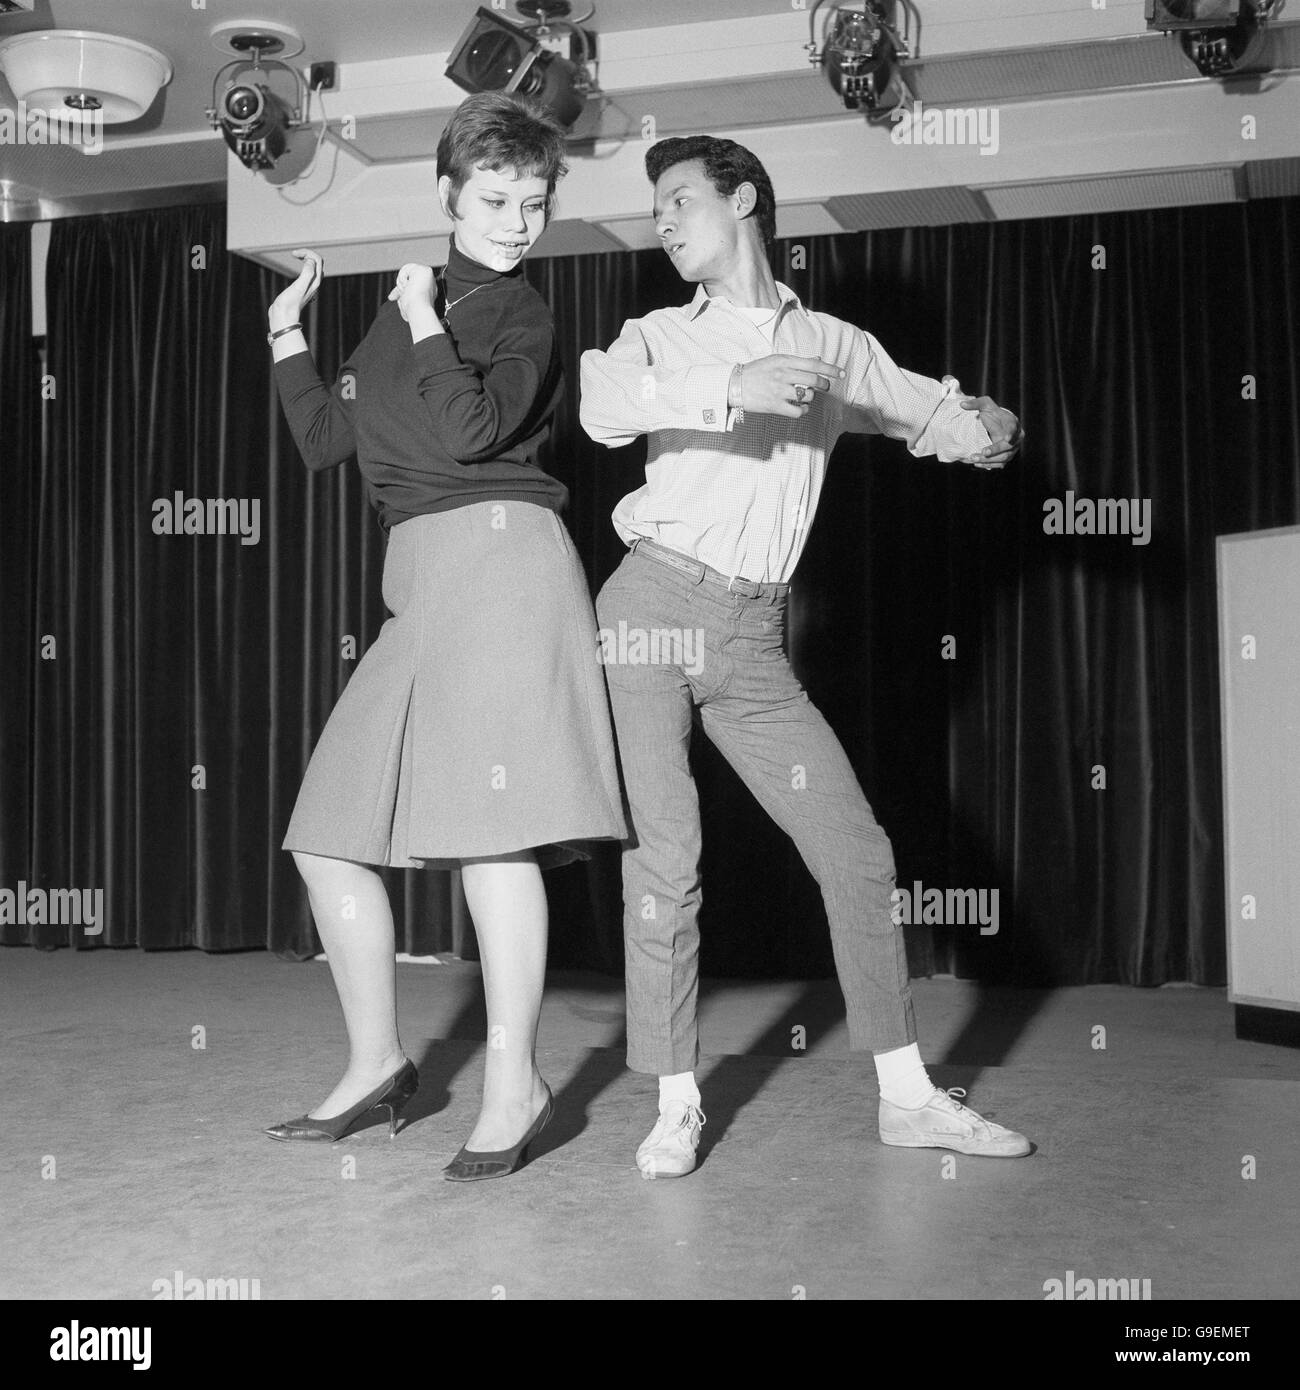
(493, 55)
(255, 121)
(1192, 14)
(1221, 37)
(860, 56)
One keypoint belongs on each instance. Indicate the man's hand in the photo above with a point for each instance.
(784, 385)
(1005, 434)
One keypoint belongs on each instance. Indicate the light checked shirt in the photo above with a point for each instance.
(739, 490)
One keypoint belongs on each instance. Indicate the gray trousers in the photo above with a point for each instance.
(677, 636)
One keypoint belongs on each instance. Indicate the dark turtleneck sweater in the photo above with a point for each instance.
(456, 418)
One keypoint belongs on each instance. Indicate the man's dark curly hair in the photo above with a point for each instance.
(727, 166)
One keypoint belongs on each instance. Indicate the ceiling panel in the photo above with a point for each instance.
(398, 139)
(911, 207)
(806, 219)
(350, 31)
(1272, 178)
(620, 116)
(361, 258)
(1117, 193)
(635, 233)
(1023, 74)
(571, 236)
(795, 96)
(68, 173)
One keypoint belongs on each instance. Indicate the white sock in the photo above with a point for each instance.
(680, 1087)
(903, 1078)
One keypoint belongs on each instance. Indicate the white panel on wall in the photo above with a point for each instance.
(1259, 687)
(40, 255)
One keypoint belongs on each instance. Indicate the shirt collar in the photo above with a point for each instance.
(703, 299)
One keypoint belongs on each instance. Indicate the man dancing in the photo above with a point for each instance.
(742, 395)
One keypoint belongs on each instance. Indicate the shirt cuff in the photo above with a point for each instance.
(958, 437)
(708, 395)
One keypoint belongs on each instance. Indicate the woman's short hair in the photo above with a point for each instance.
(502, 132)
(727, 165)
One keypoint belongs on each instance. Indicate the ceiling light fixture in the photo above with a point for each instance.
(859, 55)
(493, 55)
(76, 70)
(1221, 37)
(256, 121)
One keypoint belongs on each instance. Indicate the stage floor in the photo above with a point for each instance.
(160, 1170)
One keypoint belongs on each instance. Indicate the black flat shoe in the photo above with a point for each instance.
(471, 1166)
(391, 1095)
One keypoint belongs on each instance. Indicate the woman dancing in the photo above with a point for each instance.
(475, 731)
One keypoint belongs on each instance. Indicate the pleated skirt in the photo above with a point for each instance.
(477, 724)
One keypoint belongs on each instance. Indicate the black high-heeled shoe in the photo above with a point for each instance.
(391, 1095)
(471, 1165)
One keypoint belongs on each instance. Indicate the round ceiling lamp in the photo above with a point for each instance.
(75, 70)
(238, 38)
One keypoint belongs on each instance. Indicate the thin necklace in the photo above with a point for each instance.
(447, 308)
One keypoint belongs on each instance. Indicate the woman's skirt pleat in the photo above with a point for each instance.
(477, 724)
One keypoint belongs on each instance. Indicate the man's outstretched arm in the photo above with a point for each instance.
(930, 418)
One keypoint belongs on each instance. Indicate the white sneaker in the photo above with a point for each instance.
(669, 1151)
(944, 1123)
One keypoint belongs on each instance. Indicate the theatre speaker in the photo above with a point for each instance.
(1259, 700)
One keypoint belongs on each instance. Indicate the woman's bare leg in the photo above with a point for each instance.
(355, 924)
(508, 904)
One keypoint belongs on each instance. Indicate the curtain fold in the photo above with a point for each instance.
(1031, 713)
(20, 414)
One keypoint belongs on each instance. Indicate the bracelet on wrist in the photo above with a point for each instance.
(280, 332)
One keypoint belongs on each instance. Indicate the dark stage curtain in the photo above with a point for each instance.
(1070, 653)
(1073, 652)
(20, 416)
(194, 672)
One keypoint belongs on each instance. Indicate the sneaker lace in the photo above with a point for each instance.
(965, 1111)
(690, 1114)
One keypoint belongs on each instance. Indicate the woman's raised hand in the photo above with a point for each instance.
(287, 306)
(415, 289)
